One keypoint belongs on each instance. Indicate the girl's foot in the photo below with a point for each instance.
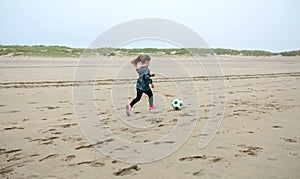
(153, 107)
(128, 110)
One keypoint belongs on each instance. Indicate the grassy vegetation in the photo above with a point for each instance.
(40, 50)
(291, 53)
(63, 51)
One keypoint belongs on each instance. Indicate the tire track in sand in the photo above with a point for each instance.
(68, 83)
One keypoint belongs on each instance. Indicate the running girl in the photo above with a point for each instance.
(143, 83)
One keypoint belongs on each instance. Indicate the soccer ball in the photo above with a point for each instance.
(177, 104)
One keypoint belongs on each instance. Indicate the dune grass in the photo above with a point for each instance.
(63, 51)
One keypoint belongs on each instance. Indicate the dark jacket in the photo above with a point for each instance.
(144, 79)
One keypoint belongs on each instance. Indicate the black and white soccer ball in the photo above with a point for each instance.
(177, 104)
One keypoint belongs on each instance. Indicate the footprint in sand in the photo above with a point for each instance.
(15, 158)
(34, 155)
(84, 146)
(191, 158)
(6, 170)
(105, 142)
(49, 130)
(32, 102)
(26, 119)
(168, 95)
(203, 157)
(63, 101)
(13, 111)
(10, 168)
(93, 163)
(52, 156)
(50, 107)
(250, 150)
(127, 171)
(277, 126)
(250, 132)
(72, 139)
(164, 142)
(199, 173)
(290, 140)
(66, 114)
(4, 151)
(43, 141)
(68, 125)
(13, 127)
(216, 159)
(70, 157)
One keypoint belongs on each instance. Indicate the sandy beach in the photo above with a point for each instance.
(259, 136)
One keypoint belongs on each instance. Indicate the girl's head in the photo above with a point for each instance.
(143, 59)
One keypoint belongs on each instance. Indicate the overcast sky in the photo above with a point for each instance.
(239, 24)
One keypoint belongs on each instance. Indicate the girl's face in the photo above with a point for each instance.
(147, 63)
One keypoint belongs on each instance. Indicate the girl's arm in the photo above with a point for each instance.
(148, 79)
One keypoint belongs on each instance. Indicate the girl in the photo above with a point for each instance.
(143, 82)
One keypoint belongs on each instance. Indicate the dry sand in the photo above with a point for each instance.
(258, 138)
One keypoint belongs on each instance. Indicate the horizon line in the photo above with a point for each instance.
(142, 47)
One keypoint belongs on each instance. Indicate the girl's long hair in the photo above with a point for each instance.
(140, 59)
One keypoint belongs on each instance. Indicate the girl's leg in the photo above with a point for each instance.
(150, 95)
(137, 99)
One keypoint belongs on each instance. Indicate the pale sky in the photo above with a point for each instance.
(239, 24)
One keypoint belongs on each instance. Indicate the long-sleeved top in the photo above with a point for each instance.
(144, 79)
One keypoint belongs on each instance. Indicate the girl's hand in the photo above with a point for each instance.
(152, 85)
(152, 75)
